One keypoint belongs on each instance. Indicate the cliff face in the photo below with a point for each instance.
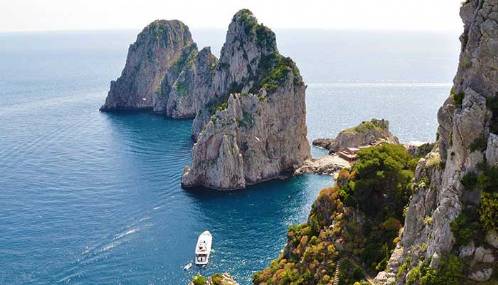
(458, 177)
(248, 50)
(164, 72)
(253, 127)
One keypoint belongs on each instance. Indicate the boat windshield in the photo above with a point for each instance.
(201, 258)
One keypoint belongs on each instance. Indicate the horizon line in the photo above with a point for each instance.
(224, 29)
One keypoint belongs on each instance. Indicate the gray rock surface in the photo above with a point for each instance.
(463, 120)
(366, 133)
(326, 165)
(253, 128)
(164, 72)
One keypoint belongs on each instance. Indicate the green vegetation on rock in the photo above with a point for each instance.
(466, 227)
(486, 182)
(450, 272)
(186, 59)
(479, 144)
(199, 280)
(358, 219)
(457, 97)
(265, 37)
(182, 88)
(367, 126)
(492, 104)
(274, 70)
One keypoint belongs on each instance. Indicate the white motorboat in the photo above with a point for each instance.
(203, 248)
(187, 266)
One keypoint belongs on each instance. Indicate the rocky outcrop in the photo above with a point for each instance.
(466, 145)
(185, 87)
(366, 133)
(253, 127)
(250, 50)
(164, 72)
(326, 165)
(215, 279)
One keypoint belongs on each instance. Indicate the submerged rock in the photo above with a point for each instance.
(164, 72)
(366, 133)
(253, 127)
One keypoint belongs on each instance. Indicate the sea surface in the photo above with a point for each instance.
(94, 198)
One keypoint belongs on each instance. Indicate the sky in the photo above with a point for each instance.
(63, 15)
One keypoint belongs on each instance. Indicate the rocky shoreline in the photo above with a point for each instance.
(326, 165)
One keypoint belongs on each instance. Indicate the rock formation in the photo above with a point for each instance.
(366, 133)
(164, 72)
(457, 177)
(215, 279)
(326, 165)
(253, 127)
(450, 233)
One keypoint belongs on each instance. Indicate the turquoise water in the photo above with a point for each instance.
(93, 198)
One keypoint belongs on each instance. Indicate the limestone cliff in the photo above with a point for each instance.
(249, 51)
(366, 133)
(455, 204)
(164, 72)
(253, 127)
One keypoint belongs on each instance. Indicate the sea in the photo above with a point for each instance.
(95, 198)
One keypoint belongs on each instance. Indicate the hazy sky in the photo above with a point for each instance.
(36, 15)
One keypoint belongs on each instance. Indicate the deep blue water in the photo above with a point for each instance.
(93, 198)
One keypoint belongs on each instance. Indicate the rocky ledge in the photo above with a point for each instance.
(366, 133)
(164, 72)
(326, 165)
(254, 127)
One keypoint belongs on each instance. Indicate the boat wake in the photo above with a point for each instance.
(100, 251)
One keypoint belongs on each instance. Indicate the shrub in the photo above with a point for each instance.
(492, 104)
(487, 180)
(383, 177)
(378, 185)
(367, 126)
(434, 160)
(274, 69)
(248, 20)
(479, 144)
(469, 180)
(199, 280)
(457, 97)
(450, 272)
(217, 279)
(488, 211)
(466, 226)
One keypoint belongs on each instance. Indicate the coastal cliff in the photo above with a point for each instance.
(397, 219)
(253, 127)
(457, 186)
(164, 72)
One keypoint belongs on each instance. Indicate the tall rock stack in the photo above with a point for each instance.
(164, 72)
(253, 127)
(467, 148)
